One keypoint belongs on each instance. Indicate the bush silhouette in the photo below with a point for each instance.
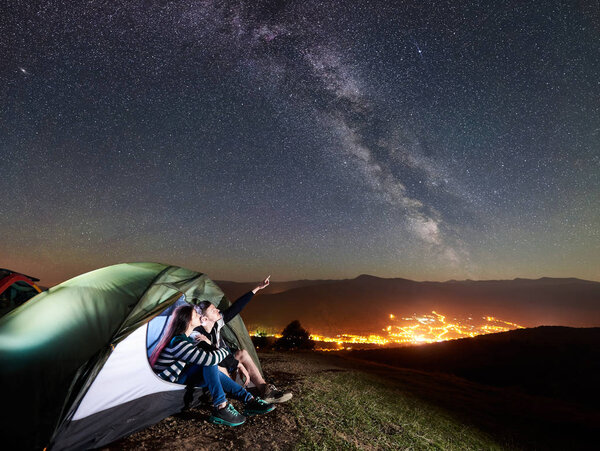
(294, 336)
(262, 341)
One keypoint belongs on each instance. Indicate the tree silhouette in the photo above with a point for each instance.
(294, 336)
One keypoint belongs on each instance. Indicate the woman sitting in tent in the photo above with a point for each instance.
(178, 359)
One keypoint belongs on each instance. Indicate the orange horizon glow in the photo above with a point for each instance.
(418, 329)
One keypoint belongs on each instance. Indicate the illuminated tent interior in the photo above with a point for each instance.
(74, 359)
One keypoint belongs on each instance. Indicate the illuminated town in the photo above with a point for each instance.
(416, 329)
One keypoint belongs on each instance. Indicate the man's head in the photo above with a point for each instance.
(208, 312)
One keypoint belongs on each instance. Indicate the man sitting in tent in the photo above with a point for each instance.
(213, 321)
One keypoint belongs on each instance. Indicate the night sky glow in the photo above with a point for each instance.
(305, 139)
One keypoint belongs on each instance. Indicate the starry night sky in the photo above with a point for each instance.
(305, 139)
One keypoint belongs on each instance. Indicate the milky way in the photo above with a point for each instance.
(303, 139)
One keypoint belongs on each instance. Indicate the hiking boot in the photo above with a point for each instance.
(227, 416)
(272, 395)
(257, 406)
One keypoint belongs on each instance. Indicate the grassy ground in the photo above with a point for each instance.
(353, 410)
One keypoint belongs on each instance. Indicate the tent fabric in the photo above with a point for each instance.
(125, 376)
(157, 326)
(127, 390)
(49, 344)
(100, 429)
(54, 347)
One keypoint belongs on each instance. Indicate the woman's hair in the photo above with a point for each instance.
(178, 324)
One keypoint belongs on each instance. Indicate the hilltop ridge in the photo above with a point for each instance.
(363, 304)
(553, 361)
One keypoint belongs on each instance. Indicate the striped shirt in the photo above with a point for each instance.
(182, 351)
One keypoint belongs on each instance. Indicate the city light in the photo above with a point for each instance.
(417, 329)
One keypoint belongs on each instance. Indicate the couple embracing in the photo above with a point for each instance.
(192, 352)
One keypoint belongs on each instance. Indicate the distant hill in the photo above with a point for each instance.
(557, 362)
(235, 289)
(363, 304)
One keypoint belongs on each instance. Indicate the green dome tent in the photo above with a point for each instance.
(74, 359)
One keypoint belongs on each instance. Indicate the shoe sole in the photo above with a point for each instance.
(250, 413)
(284, 398)
(216, 420)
